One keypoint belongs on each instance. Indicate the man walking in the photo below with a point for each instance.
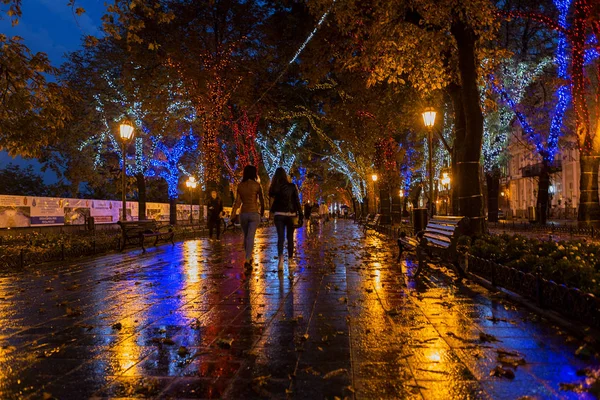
(215, 213)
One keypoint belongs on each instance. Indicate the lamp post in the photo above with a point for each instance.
(374, 177)
(191, 184)
(446, 183)
(401, 204)
(429, 120)
(126, 133)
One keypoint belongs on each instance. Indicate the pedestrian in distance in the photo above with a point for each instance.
(324, 212)
(248, 195)
(215, 213)
(307, 212)
(287, 212)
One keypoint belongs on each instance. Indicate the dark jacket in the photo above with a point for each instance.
(215, 208)
(285, 199)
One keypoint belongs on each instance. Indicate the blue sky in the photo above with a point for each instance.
(50, 26)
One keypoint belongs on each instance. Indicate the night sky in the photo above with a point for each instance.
(50, 26)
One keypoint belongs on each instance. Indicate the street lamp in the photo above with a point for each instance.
(126, 133)
(374, 178)
(446, 183)
(191, 184)
(429, 120)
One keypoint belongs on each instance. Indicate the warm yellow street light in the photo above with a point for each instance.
(191, 183)
(126, 133)
(429, 117)
(401, 193)
(374, 177)
(429, 120)
(445, 179)
(126, 130)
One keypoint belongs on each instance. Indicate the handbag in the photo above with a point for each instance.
(296, 221)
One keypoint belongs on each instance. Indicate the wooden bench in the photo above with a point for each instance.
(439, 239)
(363, 220)
(372, 224)
(406, 242)
(135, 232)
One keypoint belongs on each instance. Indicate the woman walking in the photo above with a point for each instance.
(249, 194)
(287, 211)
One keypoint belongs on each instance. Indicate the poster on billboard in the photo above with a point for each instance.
(77, 211)
(25, 211)
(104, 212)
(47, 211)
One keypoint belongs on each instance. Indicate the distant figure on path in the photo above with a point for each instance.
(324, 212)
(287, 212)
(215, 213)
(307, 212)
(249, 194)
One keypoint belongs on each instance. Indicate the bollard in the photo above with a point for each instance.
(539, 288)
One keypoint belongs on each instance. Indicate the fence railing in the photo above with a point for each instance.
(549, 228)
(21, 253)
(568, 301)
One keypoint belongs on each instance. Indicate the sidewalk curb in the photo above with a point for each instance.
(575, 327)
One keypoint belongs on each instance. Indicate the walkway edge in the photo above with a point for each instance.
(575, 327)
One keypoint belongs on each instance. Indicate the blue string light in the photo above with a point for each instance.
(168, 163)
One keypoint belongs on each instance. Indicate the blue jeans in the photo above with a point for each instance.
(284, 224)
(249, 222)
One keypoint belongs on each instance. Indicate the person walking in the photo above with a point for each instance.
(287, 212)
(307, 212)
(249, 194)
(323, 212)
(215, 213)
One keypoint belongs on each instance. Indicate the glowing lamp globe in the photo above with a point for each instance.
(126, 130)
(445, 179)
(429, 117)
(191, 182)
(374, 177)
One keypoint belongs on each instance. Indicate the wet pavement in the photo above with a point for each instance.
(188, 322)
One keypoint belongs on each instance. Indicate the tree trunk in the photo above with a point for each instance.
(173, 211)
(493, 187)
(141, 184)
(589, 206)
(542, 195)
(468, 145)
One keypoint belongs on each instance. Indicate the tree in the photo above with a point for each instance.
(32, 109)
(572, 54)
(242, 146)
(15, 180)
(428, 45)
(168, 164)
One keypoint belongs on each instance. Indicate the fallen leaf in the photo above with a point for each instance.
(502, 372)
(224, 343)
(335, 373)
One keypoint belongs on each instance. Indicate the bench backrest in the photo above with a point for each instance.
(443, 231)
(129, 227)
(376, 219)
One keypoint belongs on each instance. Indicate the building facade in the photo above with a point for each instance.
(521, 174)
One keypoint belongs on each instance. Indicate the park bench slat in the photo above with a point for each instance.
(135, 232)
(438, 239)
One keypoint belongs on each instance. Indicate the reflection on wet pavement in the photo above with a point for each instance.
(188, 322)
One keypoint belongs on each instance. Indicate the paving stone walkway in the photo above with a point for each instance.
(188, 322)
